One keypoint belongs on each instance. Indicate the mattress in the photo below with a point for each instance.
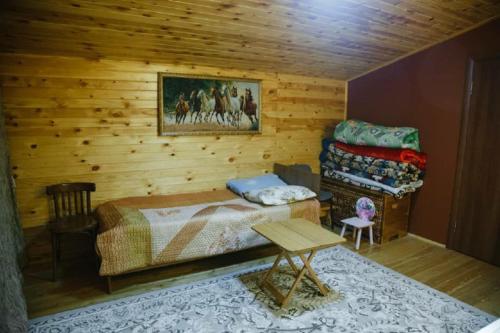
(138, 232)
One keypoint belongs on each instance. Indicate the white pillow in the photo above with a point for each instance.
(279, 195)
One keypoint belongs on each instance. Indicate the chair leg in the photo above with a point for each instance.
(354, 233)
(371, 235)
(331, 214)
(54, 256)
(58, 247)
(343, 230)
(93, 236)
(358, 241)
(109, 288)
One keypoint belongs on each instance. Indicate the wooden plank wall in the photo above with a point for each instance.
(75, 119)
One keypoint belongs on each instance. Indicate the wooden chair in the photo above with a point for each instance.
(326, 210)
(73, 214)
(301, 174)
(325, 197)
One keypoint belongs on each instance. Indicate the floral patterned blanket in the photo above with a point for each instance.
(397, 192)
(392, 173)
(356, 132)
(147, 231)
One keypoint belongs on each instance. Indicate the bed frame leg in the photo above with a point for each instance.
(109, 288)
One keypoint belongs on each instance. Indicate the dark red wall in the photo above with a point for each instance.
(426, 91)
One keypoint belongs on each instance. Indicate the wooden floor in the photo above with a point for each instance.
(460, 276)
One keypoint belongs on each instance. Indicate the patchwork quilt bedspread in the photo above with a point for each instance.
(138, 232)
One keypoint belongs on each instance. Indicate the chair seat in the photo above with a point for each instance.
(75, 223)
(357, 222)
(325, 196)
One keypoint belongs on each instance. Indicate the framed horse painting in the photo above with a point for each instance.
(206, 105)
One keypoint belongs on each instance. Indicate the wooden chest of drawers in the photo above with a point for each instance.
(391, 219)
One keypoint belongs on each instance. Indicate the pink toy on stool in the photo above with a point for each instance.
(365, 208)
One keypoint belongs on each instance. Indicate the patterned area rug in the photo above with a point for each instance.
(365, 297)
(306, 298)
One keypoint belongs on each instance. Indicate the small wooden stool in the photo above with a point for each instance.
(358, 225)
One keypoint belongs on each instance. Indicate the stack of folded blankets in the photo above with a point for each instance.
(386, 159)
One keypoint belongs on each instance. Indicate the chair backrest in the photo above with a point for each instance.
(71, 199)
(302, 167)
(298, 175)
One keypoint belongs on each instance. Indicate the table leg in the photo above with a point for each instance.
(306, 271)
(291, 263)
(294, 267)
(273, 268)
(294, 286)
(312, 273)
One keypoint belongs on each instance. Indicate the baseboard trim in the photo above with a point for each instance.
(427, 240)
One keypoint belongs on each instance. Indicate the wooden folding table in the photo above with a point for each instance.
(296, 237)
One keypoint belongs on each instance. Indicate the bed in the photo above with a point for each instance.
(139, 233)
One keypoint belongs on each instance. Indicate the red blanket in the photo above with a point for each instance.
(402, 155)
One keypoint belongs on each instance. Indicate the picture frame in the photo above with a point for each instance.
(208, 105)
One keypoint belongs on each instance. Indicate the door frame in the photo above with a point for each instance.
(463, 140)
(460, 161)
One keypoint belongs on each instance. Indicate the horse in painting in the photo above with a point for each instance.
(248, 106)
(207, 105)
(232, 105)
(219, 107)
(181, 110)
(195, 102)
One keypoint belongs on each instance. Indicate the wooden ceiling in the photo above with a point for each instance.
(333, 38)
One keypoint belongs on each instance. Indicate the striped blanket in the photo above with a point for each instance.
(147, 231)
